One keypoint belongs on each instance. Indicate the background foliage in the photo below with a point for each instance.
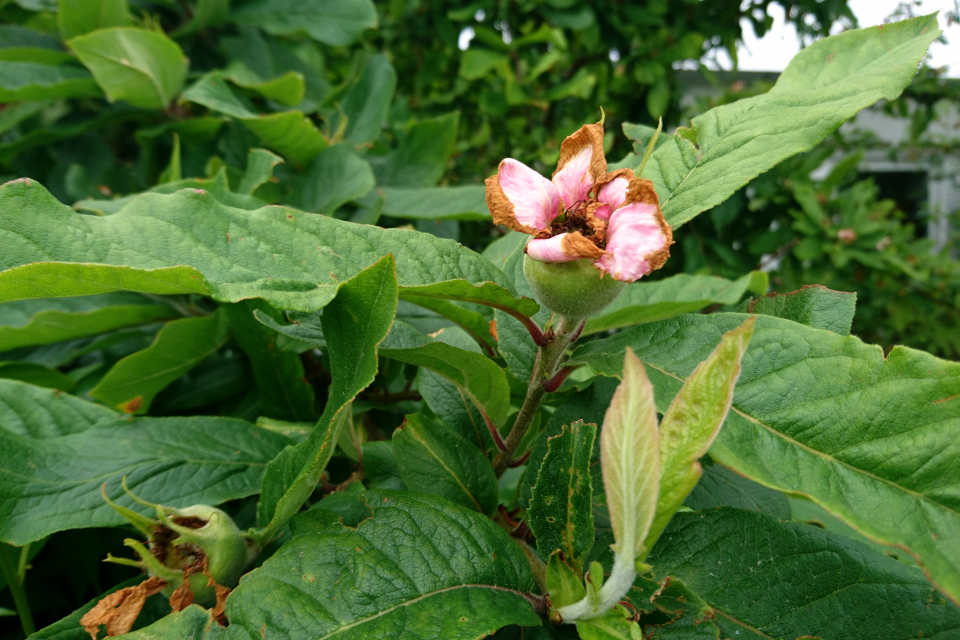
(373, 113)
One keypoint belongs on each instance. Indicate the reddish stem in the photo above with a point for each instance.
(519, 461)
(554, 383)
(494, 433)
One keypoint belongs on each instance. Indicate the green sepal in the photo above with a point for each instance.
(564, 584)
(594, 583)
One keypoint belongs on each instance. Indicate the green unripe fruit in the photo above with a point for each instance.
(572, 289)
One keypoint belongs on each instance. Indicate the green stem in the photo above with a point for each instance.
(547, 364)
(16, 590)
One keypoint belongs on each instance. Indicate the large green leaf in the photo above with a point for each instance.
(336, 22)
(366, 103)
(356, 322)
(26, 323)
(76, 17)
(51, 482)
(435, 459)
(814, 305)
(436, 203)
(721, 487)
(284, 392)
(292, 259)
(823, 86)
(133, 382)
(419, 567)
(769, 579)
(561, 504)
(38, 413)
(651, 301)
(145, 68)
(871, 439)
(23, 80)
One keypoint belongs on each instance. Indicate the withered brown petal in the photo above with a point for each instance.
(589, 135)
(119, 610)
(574, 244)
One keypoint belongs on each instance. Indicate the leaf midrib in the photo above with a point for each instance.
(415, 600)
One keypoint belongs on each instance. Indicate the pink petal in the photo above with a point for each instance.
(534, 198)
(565, 247)
(574, 180)
(637, 239)
(549, 250)
(612, 196)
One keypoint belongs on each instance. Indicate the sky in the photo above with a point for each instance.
(780, 44)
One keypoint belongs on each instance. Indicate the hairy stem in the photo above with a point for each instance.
(614, 588)
(10, 574)
(547, 364)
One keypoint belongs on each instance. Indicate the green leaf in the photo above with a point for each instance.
(561, 506)
(360, 318)
(421, 158)
(38, 413)
(474, 324)
(19, 44)
(828, 417)
(436, 203)
(334, 22)
(611, 626)
(53, 483)
(720, 487)
(692, 422)
(35, 81)
(284, 392)
(588, 405)
(823, 86)
(367, 102)
(482, 382)
(37, 374)
(295, 261)
(145, 68)
(291, 133)
(435, 459)
(336, 176)
(133, 382)
(380, 466)
(770, 579)
(651, 301)
(260, 164)
(629, 457)
(76, 17)
(813, 305)
(218, 187)
(206, 13)
(287, 89)
(419, 567)
(27, 323)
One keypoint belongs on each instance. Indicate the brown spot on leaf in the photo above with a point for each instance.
(133, 405)
(119, 610)
(493, 330)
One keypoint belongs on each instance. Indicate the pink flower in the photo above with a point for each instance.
(584, 212)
